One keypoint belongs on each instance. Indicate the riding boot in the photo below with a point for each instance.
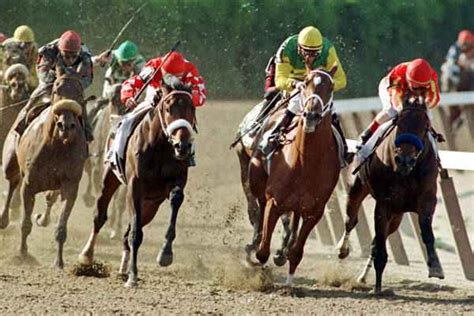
(280, 127)
(348, 156)
(365, 136)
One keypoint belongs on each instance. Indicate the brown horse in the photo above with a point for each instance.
(49, 156)
(401, 176)
(155, 170)
(14, 92)
(302, 174)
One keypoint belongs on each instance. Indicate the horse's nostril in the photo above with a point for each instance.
(176, 146)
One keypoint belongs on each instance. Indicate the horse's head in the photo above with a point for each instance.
(16, 79)
(413, 124)
(67, 86)
(66, 114)
(317, 97)
(177, 116)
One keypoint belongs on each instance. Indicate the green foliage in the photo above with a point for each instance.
(230, 41)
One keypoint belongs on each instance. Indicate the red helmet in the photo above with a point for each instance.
(3, 37)
(70, 41)
(419, 73)
(174, 63)
(465, 37)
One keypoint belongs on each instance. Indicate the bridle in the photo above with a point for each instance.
(326, 107)
(168, 129)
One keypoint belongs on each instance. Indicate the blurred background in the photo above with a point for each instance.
(231, 41)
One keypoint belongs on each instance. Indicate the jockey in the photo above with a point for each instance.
(69, 53)
(22, 48)
(451, 67)
(410, 79)
(174, 65)
(298, 55)
(124, 62)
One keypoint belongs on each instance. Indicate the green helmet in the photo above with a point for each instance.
(128, 50)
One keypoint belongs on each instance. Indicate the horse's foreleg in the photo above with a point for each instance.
(357, 194)
(165, 257)
(381, 234)
(425, 219)
(69, 194)
(117, 213)
(43, 219)
(88, 197)
(110, 185)
(295, 254)
(125, 254)
(280, 257)
(5, 215)
(270, 219)
(28, 198)
(136, 234)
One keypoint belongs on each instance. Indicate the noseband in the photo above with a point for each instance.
(168, 129)
(326, 107)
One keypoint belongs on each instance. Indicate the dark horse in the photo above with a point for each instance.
(302, 174)
(156, 169)
(401, 176)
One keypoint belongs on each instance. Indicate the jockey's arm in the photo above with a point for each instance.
(340, 80)
(85, 71)
(433, 93)
(283, 82)
(45, 69)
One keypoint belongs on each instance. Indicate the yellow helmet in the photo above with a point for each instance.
(310, 38)
(24, 33)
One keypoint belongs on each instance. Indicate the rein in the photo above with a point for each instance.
(169, 129)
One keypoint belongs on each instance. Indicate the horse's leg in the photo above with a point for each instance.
(4, 217)
(357, 194)
(425, 219)
(110, 185)
(296, 251)
(43, 219)
(117, 213)
(295, 222)
(28, 198)
(381, 234)
(125, 254)
(269, 221)
(253, 209)
(136, 234)
(280, 258)
(165, 257)
(69, 194)
(393, 226)
(88, 197)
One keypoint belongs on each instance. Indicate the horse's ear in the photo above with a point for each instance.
(333, 69)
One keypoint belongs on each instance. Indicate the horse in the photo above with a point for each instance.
(302, 174)
(401, 176)
(457, 77)
(104, 115)
(156, 169)
(49, 156)
(14, 93)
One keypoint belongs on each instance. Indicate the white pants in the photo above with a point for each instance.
(385, 98)
(294, 106)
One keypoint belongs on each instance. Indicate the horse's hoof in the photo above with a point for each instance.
(85, 259)
(436, 272)
(262, 257)
(279, 259)
(131, 283)
(59, 264)
(4, 223)
(361, 279)
(39, 219)
(384, 293)
(122, 276)
(164, 259)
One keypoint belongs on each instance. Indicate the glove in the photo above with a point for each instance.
(131, 103)
(298, 85)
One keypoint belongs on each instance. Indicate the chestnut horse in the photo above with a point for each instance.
(49, 156)
(156, 169)
(401, 176)
(302, 174)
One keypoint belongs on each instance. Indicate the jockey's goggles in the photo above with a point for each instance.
(310, 52)
(416, 88)
(69, 55)
(129, 62)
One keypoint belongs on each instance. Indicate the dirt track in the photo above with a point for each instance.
(207, 276)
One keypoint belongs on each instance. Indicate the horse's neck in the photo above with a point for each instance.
(152, 128)
(310, 146)
(386, 151)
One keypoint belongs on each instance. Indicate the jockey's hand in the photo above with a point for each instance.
(131, 103)
(298, 85)
(104, 58)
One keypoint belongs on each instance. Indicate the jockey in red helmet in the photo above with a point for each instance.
(415, 78)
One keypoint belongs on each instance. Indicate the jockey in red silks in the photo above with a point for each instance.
(409, 79)
(415, 78)
(174, 65)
